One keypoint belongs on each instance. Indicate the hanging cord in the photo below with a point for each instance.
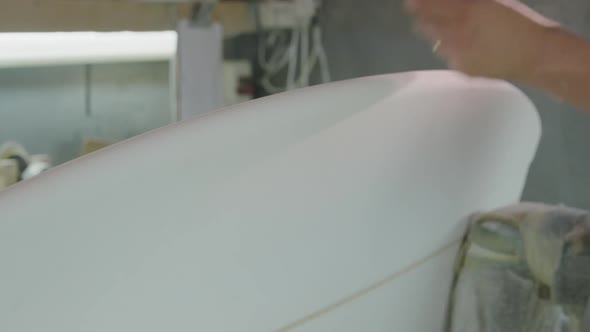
(323, 57)
(293, 54)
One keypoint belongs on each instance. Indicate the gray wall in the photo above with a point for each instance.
(50, 110)
(375, 36)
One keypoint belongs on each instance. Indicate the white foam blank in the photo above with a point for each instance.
(255, 217)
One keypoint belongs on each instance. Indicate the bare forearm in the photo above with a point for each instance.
(505, 39)
(563, 67)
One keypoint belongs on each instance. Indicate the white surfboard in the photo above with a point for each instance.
(333, 208)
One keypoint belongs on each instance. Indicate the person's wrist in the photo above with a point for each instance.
(547, 56)
(536, 53)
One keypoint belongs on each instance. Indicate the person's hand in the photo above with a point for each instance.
(490, 38)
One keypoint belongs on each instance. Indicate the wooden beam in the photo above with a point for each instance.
(85, 15)
(113, 15)
(235, 17)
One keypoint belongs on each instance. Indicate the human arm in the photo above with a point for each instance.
(563, 68)
(504, 39)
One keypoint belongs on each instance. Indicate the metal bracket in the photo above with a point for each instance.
(202, 13)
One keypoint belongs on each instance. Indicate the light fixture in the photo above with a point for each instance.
(66, 48)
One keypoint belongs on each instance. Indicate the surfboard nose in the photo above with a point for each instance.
(333, 208)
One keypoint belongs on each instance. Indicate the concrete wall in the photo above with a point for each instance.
(375, 36)
(52, 109)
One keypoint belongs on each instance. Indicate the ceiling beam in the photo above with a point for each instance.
(114, 15)
(86, 15)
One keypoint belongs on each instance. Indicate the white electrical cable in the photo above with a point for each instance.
(289, 59)
(279, 58)
(317, 57)
(305, 56)
(323, 57)
(292, 70)
(297, 59)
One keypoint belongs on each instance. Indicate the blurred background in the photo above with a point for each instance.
(79, 75)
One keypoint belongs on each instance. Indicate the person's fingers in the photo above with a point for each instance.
(428, 31)
(435, 36)
(450, 31)
(436, 8)
(449, 41)
(412, 6)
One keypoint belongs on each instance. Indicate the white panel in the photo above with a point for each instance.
(200, 68)
(256, 217)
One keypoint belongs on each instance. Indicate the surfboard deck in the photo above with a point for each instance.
(332, 208)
